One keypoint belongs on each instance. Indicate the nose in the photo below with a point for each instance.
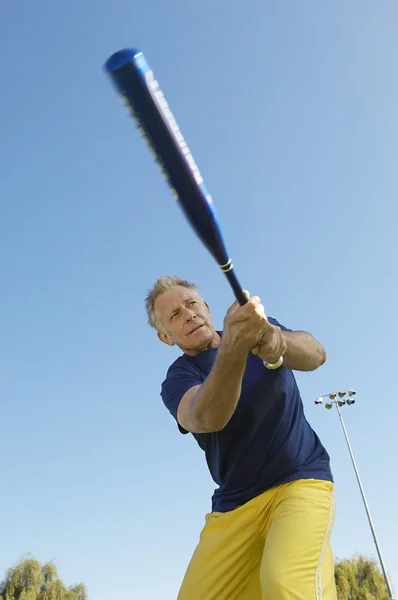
(190, 315)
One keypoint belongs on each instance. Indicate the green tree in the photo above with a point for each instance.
(29, 580)
(359, 578)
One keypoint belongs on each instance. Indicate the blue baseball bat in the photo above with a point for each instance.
(135, 82)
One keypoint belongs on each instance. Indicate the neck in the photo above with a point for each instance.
(213, 343)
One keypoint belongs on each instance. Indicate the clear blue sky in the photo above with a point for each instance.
(290, 109)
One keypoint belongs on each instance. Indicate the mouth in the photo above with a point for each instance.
(196, 329)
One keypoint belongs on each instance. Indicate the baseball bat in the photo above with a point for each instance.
(135, 82)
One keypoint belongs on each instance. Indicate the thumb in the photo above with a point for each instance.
(236, 304)
(255, 350)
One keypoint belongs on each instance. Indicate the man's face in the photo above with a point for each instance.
(185, 320)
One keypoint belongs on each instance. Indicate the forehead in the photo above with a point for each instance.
(177, 295)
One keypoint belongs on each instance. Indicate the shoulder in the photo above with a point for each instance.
(180, 377)
(181, 365)
(181, 371)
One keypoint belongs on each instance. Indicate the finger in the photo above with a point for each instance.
(245, 311)
(255, 350)
(252, 303)
(236, 304)
(267, 329)
(260, 312)
(249, 304)
(270, 349)
(233, 307)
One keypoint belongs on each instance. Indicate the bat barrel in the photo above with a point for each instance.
(120, 59)
(145, 100)
(146, 103)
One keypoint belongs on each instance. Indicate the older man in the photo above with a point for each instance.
(268, 534)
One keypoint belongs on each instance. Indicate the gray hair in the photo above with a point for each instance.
(163, 284)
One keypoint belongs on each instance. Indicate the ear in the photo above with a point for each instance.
(165, 338)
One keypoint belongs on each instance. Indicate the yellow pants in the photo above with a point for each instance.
(275, 547)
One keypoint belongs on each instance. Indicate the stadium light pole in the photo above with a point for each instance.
(340, 399)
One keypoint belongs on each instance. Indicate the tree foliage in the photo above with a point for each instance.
(29, 580)
(359, 578)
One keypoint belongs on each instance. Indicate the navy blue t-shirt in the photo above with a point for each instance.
(268, 440)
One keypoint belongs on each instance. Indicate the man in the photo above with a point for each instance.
(268, 535)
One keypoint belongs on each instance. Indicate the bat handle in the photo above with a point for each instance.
(240, 294)
(242, 297)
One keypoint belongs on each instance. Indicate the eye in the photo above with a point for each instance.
(192, 302)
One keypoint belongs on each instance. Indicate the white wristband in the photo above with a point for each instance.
(272, 366)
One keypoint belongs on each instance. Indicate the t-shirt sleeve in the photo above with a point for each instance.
(178, 381)
(275, 322)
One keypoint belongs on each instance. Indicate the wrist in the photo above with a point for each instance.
(233, 353)
(283, 342)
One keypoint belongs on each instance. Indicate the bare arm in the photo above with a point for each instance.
(303, 351)
(300, 350)
(208, 407)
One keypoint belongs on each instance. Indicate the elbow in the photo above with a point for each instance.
(215, 424)
(216, 427)
(200, 422)
(316, 360)
(321, 358)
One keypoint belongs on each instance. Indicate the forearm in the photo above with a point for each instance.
(216, 400)
(303, 351)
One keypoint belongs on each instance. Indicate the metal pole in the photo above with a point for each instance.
(388, 584)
